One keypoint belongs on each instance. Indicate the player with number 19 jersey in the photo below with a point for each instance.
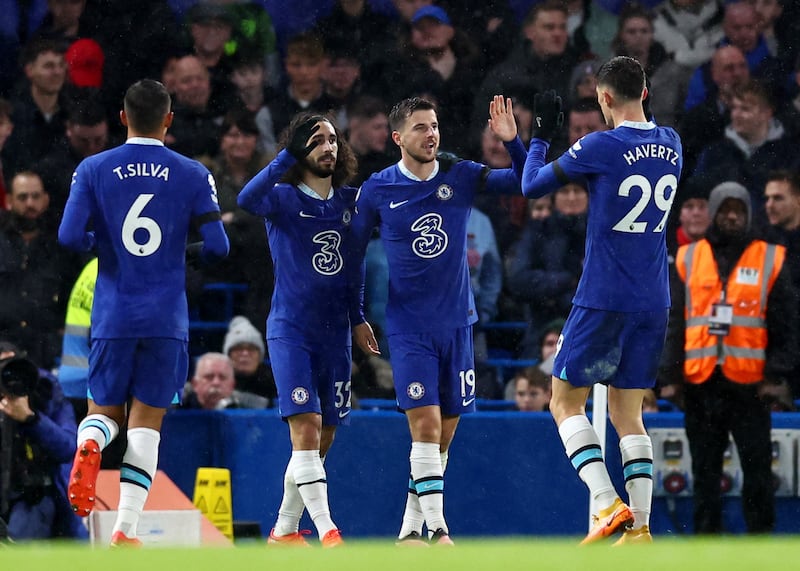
(632, 174)
(141, 199)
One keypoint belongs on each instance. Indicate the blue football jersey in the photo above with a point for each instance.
(140, 198)
(308, 240)
(632, 174)
(423, 226)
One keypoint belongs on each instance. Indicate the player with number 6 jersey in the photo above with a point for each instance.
(140, 199)
(616, 329)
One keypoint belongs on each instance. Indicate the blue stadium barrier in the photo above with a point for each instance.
(507, 474)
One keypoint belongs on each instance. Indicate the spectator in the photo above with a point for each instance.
(303, 64)
(706, 122)
(782, 200)
(445, 63)
(356, 24)
(583, 117)
(548, 344)
(6, 128)
(37, 273)
(693, 218)
(754, 144)
(210, 29)
(39, 111)
(249, 76)
(542, 61)
(62, 22)
(213, 387)
(42, 442)
(341, 76)
(86, 134)
(732, 329)
(490, 23)
(583, 81)
(741, 30)
(368, 136)
(532, 390)
(548, 262)
(689, 29)
(244, 344)
(778, 25)
(254, 33)
(486, 279)
(195, 126)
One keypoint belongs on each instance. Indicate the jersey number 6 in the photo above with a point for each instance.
(133, 222)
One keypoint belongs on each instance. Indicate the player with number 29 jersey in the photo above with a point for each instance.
(141, 199)
(632, 174)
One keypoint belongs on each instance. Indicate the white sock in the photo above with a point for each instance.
(583, 449)
(309, 475)
(426, 469)
(97, 427)
(135, 477)
(637, 463)
(292, 505)
(412, 516)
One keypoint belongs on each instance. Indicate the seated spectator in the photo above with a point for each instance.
(741, 30)
(583, 81)
(532, 390)
(254, 33)
(195, 125)
(6, 127)
(368, 136)
(706, 122)
(754, 144)
(548, 262)
(342, 79)
(689, 29)
(210, 29)
(86, 134)
(212, 387)
(85, 60)
(691, 204)
(649, 402)
(303, 64)
(244, 344)
(249, 76)
(41, 437)
(548, 344)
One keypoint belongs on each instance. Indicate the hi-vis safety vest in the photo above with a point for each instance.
(742, 352)
(74, 369)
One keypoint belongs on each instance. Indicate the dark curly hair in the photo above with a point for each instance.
(346, 164)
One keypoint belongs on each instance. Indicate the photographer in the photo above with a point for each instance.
(37, 442)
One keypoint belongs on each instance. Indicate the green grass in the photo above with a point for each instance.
(534, 554)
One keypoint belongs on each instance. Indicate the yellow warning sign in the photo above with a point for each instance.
(213, 488)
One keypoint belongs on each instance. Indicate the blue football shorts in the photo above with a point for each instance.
(312, 377)
(434, 369)
(153, 370)
(611, 347)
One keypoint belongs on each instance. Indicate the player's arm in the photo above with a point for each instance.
(255, 196)
(206, 217)
(363, 223)
(72, 232)
(503, 124)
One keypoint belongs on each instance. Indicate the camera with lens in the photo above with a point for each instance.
(18, 376)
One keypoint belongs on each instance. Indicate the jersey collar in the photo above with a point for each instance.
(643, 125)
(144, 141)
(305, 189)
(408, 174)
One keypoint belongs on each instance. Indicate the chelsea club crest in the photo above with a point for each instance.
(444, 192)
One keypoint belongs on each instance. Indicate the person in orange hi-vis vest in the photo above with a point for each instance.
(732, 330)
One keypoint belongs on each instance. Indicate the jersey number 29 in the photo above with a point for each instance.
(629, 222)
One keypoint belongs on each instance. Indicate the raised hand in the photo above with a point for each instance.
(501, 118)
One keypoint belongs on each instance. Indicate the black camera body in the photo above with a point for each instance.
(18, 377)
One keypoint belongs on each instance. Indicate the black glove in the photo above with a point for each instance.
(194, 252)
(297, 146)
(547, 115)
